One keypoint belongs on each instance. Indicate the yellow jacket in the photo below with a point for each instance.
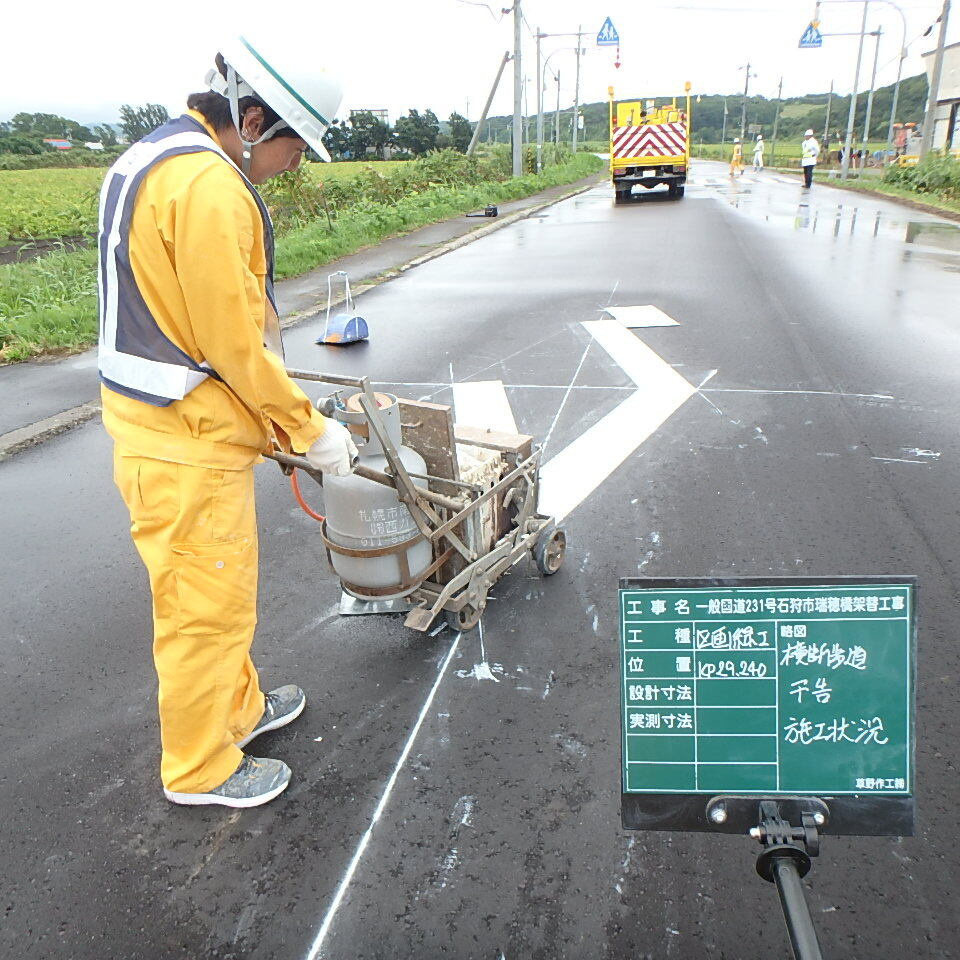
(198, 257)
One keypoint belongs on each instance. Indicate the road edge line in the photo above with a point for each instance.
(16, 441)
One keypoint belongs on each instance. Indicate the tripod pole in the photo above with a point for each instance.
(796, 913)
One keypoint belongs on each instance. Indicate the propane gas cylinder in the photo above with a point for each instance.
(375, 547)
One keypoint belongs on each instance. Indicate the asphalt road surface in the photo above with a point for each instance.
(458, 795)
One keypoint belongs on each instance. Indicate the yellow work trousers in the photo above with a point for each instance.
(196, 530)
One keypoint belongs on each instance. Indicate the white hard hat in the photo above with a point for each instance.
(736, 139)
(759, 136)
(283, 75)
(809, 133)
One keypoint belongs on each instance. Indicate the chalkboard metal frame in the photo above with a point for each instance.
(850, 815)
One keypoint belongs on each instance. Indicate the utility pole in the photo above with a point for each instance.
(723, 135)
(743, 112)
(526, 109)
(776, 124)
(873, 83)
(576, 94)
(517, 91)
(896, 97)
(539, 108)
(929, 116)
(556, 118)
(848, 143)
(486, 107)
(826, 123)
(540, 75)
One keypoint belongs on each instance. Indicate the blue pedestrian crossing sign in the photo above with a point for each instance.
(812, 37)
(608, 36)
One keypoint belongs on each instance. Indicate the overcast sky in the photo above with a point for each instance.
(84, 60)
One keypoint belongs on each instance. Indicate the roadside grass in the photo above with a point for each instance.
(366, 223)
(930, 200)
(50, 304)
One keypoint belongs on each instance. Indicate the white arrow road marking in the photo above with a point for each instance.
(646, 315)
(483, 403)
(574, 473)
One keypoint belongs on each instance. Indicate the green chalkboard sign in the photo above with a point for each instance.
(768, 687)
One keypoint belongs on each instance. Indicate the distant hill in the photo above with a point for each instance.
(796, 115)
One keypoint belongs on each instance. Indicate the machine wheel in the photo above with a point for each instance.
(464, 619)
(622, 196)
(678, 194)
(550, 550)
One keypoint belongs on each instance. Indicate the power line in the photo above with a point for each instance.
(488, 8)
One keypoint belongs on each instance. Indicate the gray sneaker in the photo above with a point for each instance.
(255, 781)
(280, 707)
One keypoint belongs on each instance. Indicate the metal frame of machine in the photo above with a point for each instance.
(465, 567)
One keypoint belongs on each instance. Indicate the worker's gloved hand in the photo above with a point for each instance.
(334, 452)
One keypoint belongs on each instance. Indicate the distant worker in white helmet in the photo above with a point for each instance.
(736, 160)
(808, 160)
(758, 154)
(194, 391)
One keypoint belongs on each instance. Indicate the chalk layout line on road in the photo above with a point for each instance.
(644, 315)
(316, 948)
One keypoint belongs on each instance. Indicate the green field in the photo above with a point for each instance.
(51, 203)
(46, 204)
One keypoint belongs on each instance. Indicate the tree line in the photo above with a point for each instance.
(361, 135)
(24, 133)
(413, 135)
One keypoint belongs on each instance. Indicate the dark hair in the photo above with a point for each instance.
(216, 109)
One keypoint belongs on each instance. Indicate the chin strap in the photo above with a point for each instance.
(234, 88)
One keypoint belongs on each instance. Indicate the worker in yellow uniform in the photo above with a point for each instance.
(194, 391)
(736, 160)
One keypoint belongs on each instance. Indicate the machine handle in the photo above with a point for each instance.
(292, 460)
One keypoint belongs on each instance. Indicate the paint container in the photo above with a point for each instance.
(373, 544)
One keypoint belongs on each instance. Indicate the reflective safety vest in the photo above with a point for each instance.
(136, 357)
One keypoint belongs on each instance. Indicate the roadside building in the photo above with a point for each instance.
(57, 143)
(378, 113)
(946, 130)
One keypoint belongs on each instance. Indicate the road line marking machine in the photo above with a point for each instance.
(432, 515)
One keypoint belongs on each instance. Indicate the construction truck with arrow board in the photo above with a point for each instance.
(649, 144)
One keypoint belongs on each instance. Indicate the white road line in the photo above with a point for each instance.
(645, 315)
(650, 372)
(317, 944)
(483, 403)
(574, 473)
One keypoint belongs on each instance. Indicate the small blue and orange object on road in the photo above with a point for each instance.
(346, 326)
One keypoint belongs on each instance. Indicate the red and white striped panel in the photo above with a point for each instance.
(650, 140)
